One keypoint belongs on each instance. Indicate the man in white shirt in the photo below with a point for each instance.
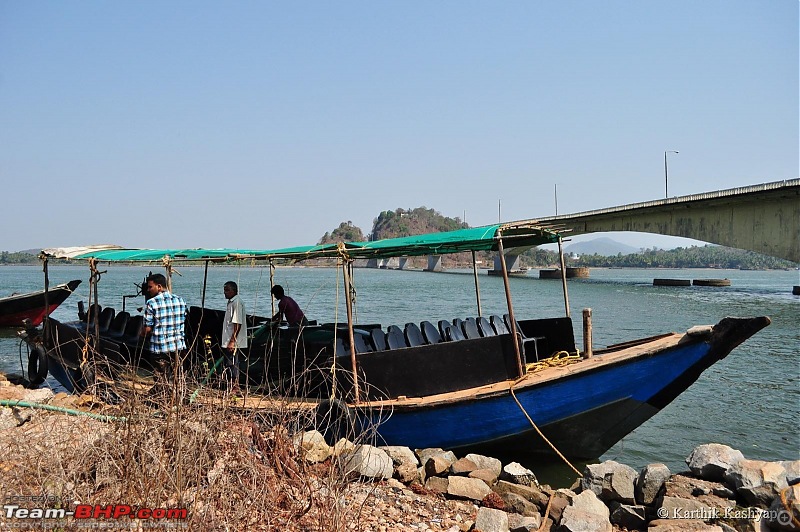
(234, 335)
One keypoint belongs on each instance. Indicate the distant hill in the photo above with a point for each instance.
(600, 246)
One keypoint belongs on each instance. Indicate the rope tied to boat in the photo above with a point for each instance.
(562, 358)
(558, 360)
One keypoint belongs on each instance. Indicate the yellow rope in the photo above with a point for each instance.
(562, 358)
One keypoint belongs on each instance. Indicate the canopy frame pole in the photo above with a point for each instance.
(205, 284)
(512, 319)
(168, 267)
(477, 286)
(271, 285)
(348, 294)
(46, 297)
(563, 274)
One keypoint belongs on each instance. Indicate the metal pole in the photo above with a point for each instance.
(512, 319)
(46, 299)
(666, 178)
(349, 303)
(587, 333)
(563, 274)
(271, 285)
(477, 288)
(205, 283)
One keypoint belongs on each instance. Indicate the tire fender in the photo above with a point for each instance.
(37, 365)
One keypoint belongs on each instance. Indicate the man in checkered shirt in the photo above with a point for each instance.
(164, 317)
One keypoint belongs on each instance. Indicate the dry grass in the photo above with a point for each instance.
(232, 468)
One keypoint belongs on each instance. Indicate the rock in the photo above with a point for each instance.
(463, 467)
(401, 455)
(684, 525)
(586, 513)
(610, 481)
(756, 481)
(629, 516)
(519, 504)
(407, 473)
(436, 466)
(710, 461)
(650, 482)
(437, 484)
(312, 446)
(784, 513)
(467, 488)
(486, 475)
(39, 395)
(530, 493)
(14, 417)
(486, 462)
(342, 446)
(524, 523)
(490, 520)
(516, 474)
(424, 454)
(368, 461)
(670, 507)
(561, 499)
(792, 471)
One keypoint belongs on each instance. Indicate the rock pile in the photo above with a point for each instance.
(723, 491)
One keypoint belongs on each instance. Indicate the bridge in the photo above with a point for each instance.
(762, 218)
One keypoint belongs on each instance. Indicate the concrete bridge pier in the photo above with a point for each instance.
(434, 263)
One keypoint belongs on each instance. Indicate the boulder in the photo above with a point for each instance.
(467, 488)
(517, 474)
(524, 523)
(684, 525)
(632, 517)
(756, 481)
(424, 454)
(437, 484)
(677, 508)
(792, 471)
(312, 446)
(14, 417)
(485, 462)
(401, 455)
(784, 513)
(520, 505)
(530, 493)
(586, 513)
(437, 466)
(407, 473)
(39, 395)
(610, 481)
(369, 462)
(650, 483)
(342, 446)
(711, 460)
(486, 475)
(491, 520)
(462, 467)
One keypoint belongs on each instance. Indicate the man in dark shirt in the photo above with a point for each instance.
(288, 308)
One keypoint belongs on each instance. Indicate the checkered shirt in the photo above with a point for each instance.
(165, 315)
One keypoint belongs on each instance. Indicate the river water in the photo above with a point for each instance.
(750, 400)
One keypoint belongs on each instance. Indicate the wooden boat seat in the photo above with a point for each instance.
(378, 338)
(498, 324)
(454, 334)
(413, 335)
(430, 333)
(118, 324)
(484, 327)
(395, 338)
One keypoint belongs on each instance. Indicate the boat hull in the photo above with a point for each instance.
(14, 310)
(582, 413)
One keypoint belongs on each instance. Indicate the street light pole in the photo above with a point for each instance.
(666, 173)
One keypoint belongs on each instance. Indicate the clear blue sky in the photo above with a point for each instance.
(265, 124)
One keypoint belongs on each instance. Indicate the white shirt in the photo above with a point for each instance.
(234, 314)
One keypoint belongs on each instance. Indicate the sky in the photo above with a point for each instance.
(264, 124)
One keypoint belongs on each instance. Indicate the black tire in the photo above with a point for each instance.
(335, 420)
(37, 365)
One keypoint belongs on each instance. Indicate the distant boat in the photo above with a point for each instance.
(16, 308)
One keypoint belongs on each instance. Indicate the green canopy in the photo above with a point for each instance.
(515, 235)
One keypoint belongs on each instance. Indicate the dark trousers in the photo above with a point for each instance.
(168, 376)
(230, 371)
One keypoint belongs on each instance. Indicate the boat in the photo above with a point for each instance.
(476, 383)
(33, 306)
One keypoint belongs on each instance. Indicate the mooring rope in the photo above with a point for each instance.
(559, 361)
